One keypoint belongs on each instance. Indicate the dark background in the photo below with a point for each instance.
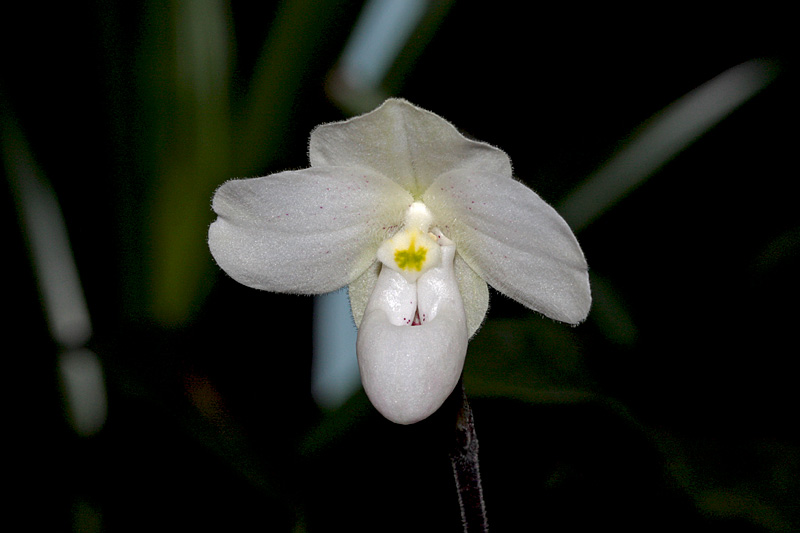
(679, 415)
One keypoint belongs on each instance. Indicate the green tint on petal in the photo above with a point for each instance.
(407, 144)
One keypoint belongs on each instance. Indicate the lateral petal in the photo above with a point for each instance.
(307, 231)
(474, 294)
(513, 240)
(360, 290)
(405, 143)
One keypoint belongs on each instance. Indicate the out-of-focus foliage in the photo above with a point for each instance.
(671, 408)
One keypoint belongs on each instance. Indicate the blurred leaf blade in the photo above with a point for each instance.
(191, 149)
(665, 135)
(262, 119)
(199, 140)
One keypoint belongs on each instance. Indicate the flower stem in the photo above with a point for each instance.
(464, 460)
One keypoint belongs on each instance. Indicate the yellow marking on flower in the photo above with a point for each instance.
(410, 252)
(412, 258)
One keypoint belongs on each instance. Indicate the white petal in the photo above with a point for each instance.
(405, 143)
(409, 371)
(513, 240)
(360, 290)
(474, 294)
(307, 231)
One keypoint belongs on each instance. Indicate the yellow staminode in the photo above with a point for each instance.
(412, 258)
(412, 251)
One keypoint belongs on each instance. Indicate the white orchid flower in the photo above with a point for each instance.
(415, 219)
